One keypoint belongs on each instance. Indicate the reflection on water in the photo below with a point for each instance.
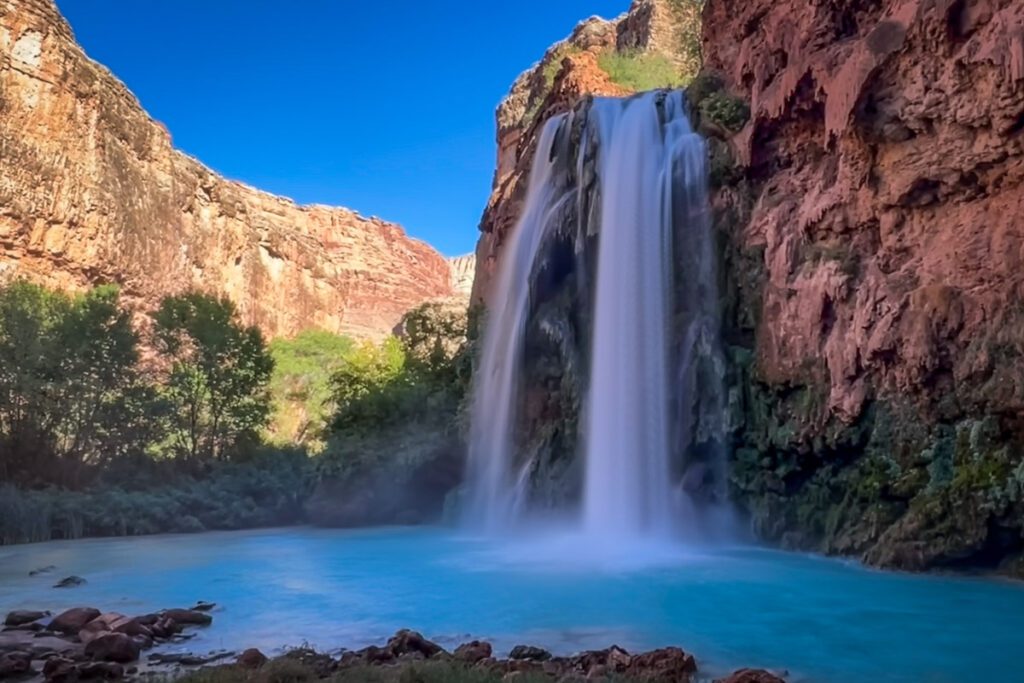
(821, 619)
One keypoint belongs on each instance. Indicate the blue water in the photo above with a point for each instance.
(820, 619)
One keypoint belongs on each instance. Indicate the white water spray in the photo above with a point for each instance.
(627, 490)
(652, 179)
(497, 485)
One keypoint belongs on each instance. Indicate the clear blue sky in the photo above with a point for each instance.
(384, 107)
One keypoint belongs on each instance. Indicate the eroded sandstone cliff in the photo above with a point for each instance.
(877, 232)
(92, 191)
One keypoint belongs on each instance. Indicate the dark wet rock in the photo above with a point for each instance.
(73, 620)
(614, 659)
(39, 645)
(162, 627)
(60, 670)
(93, 630)
(406, 641)
(529, 652)
(34, 627)
(70, 582)
(113, 647)
(368, 655)
(251, 659)
(109, 671)
(204, 606)
(65, 670)
(22, 617)
(188, 617)
(751, 676)
(413, 656)
(43, 570)
(668, 664)
(119, 623)
(15, 664)
(473, 651)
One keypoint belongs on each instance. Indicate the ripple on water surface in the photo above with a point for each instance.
(823, 620)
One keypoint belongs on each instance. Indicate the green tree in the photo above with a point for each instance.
(434, 337)
(216, 375)
(102, 405)
(369, 386)
(71, 395)
(28, 358)
(301, 385)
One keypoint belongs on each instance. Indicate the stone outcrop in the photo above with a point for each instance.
(569, 71)
(92, 191)
(463, 268)
(84, 644)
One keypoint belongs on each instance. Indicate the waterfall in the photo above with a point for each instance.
(496, 490)
(655, 375)
(627, 486)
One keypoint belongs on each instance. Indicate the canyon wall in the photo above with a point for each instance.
(875, 217)
(867, 158)
(92, 191)
(463, 269)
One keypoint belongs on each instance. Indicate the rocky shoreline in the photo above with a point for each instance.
(84, 644)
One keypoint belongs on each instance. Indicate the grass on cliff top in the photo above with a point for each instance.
(640, 71)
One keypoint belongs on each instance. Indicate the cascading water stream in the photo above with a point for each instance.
(496, 490)
(627, 490)
(654, 331)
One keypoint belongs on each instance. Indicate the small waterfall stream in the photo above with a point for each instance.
(496, 488)
(654, 347)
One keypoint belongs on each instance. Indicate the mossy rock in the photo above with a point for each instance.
(719, 113)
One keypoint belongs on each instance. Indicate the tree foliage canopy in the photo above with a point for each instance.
(216, 376)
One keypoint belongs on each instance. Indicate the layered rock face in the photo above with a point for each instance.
(463, 269)
(877, 241)
(92, 191)
(869, 209)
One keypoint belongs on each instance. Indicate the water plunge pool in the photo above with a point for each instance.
(820, 619)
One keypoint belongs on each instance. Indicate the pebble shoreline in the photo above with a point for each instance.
(84, 643)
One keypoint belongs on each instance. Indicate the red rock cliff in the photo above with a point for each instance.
(91, 190)
(887, 158)
(877, 261)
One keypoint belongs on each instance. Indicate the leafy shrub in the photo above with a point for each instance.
(301, 385)
(731, 113)
(269, 489)
(716, 107)
(397, 402)
(640, 71)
